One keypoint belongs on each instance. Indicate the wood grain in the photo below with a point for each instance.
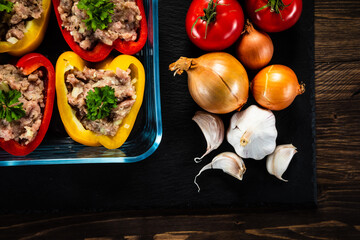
(337, 88)
(271, 225)
(337, 74)
(337, 30)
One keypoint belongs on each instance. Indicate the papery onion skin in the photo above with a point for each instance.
(217, 82)
(254, 49)
(275, 87)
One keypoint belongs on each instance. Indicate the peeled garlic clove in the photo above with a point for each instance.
(213, 129)
(229, 162)
(278, 162)
(252, 132)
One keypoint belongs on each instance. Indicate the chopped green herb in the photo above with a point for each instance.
(10, 107)
(100, 102)
(98, 11)
(6, 5)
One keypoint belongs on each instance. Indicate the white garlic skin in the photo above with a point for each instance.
(229, 162)
(278, 162)
(253, 133)
(213, 129)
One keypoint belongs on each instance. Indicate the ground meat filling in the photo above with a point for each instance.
(79, 83)
(13, 24)
(31, 87)
(124, 25)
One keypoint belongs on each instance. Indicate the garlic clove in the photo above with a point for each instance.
(253, 133)
(213, 129)
(278, 162)
(229, 162)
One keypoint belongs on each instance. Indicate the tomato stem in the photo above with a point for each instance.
(209, 17)
(275, 6)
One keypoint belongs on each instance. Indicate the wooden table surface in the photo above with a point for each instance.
(337, 78)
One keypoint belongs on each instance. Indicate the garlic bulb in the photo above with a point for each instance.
(252, 132)
(278, 162)
(213, 129)
(229, 162)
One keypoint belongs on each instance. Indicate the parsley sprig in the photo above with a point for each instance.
(10, 107)
(100, 102)
(98, 11)
(6, 5)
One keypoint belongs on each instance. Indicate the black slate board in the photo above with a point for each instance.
(165, 179)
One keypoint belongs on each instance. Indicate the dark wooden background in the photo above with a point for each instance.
(337, 80)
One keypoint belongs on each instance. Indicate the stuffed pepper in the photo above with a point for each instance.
(98, 105)
(93, 28)
(27, 92)
(22, 25)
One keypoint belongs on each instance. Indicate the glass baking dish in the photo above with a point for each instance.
(58, 148)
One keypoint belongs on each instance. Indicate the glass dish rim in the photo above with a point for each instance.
(124, 159)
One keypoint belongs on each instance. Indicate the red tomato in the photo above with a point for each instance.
(277, 16)
(225, 20)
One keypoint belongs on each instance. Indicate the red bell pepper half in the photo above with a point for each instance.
(29, 63)
(101, 50)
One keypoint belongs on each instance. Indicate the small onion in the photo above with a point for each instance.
(217, 82)
(275, 87)
(255, 49)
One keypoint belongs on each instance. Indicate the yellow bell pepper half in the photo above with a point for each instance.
(73, 126)
(36, 29)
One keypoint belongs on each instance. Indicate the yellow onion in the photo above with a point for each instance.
(275, 87)
(255, 49)
(217, 82)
